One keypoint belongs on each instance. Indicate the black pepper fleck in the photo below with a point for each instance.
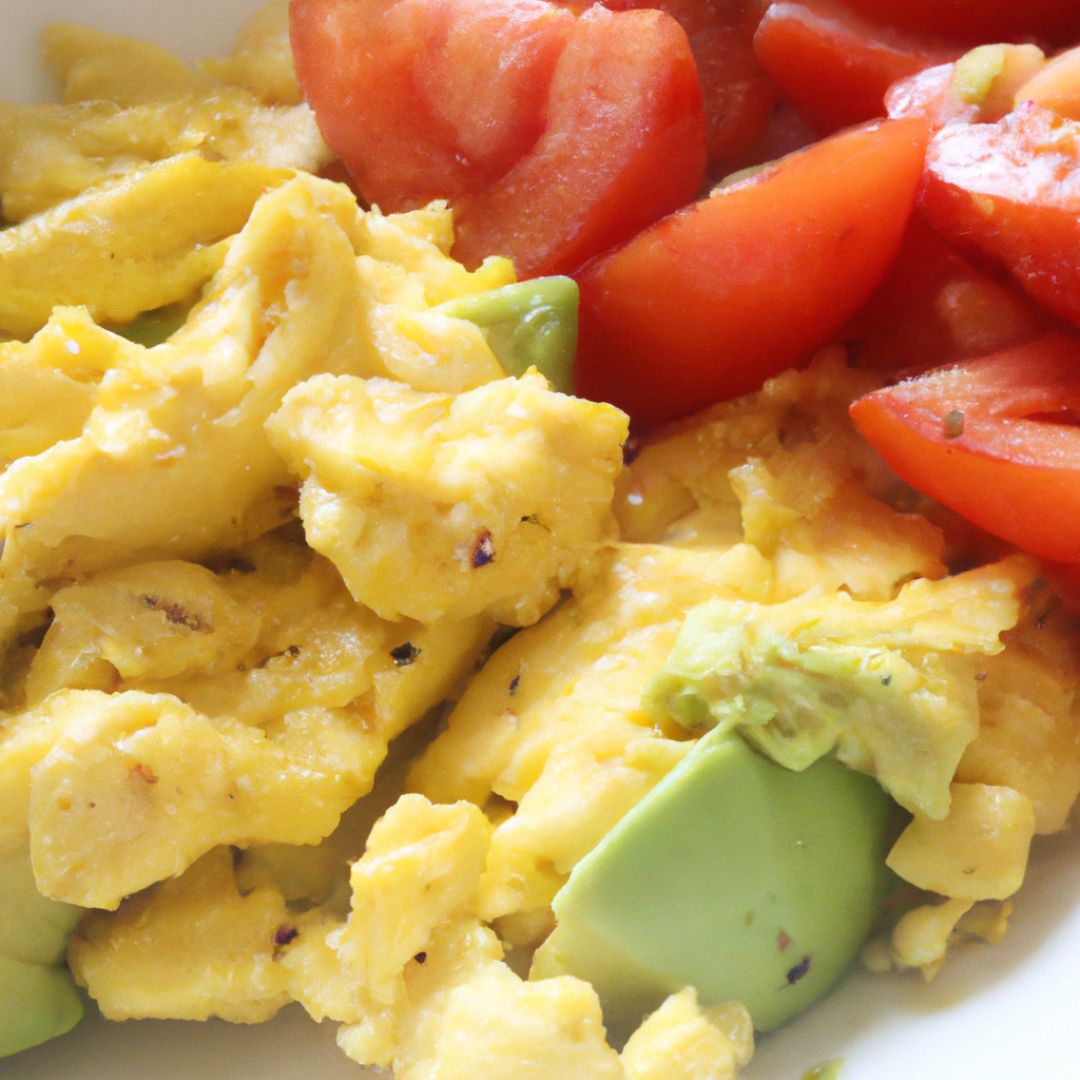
(798, 971)
(405, 654)
(285, 934)
(177, 614)
(514, 684)
(483, 551)
(420, 957)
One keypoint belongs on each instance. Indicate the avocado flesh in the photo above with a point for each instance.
(736, 876)
(884, 684)
(38, 1000)
(37, 1003)
(529, 324)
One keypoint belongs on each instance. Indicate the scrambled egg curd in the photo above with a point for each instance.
(241, 560)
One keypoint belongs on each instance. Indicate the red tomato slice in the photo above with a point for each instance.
(624, 145)
(1064, 579)
(936, 307)
(710, 302)
(1011, 190)
(426, 99)
(994, 439)
(835, 67)
(553, 136)
(979, 20)
(737, 94)
(935, 95)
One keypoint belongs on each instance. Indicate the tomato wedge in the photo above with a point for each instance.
(624, 145)
(1011, 190)
(713, 300)
(995, 439)
(976, 21)
(834, 66)
(738, 96)
(426, 99)
(554, 135)
(937, 307)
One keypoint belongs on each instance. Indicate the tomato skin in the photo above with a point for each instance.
(455, 97)
(973, 21)
(1014, 468)
(1012, 191)
(1064, 579)
(553, 135)
(713, 300)
(624, 145)
(833, 66)
(935, 307)
(737, 94)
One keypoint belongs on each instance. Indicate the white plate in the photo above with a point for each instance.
(1004, 1013)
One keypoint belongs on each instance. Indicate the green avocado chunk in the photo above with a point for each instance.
(743, 879)
(38, 999)
(889, 685)
(37, 1003)
(530, 324)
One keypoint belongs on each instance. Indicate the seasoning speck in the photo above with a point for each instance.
(420, 957)
(953, 423)
(405, 654)
(285, 934)
(177, 614)
(798, 971)
(514, 684)
(145, 773)
(483, 551)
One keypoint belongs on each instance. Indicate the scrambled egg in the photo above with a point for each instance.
(239, 563)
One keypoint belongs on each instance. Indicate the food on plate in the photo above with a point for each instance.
(835, 66)
(38, 997)
(744, 879)
(351, 660)
(992, 439)
(594, 121)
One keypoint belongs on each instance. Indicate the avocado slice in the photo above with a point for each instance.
(38, 999)
(529, 324)
(736, 876)
(37, 1003)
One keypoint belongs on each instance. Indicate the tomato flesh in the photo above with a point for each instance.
(713, 300)
(737, 94)
(995, 439)
(833, 66)
(1011, 190)
(936, 307)
(553, 135)
(413, 96)
(979, 20)
(624, 145)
